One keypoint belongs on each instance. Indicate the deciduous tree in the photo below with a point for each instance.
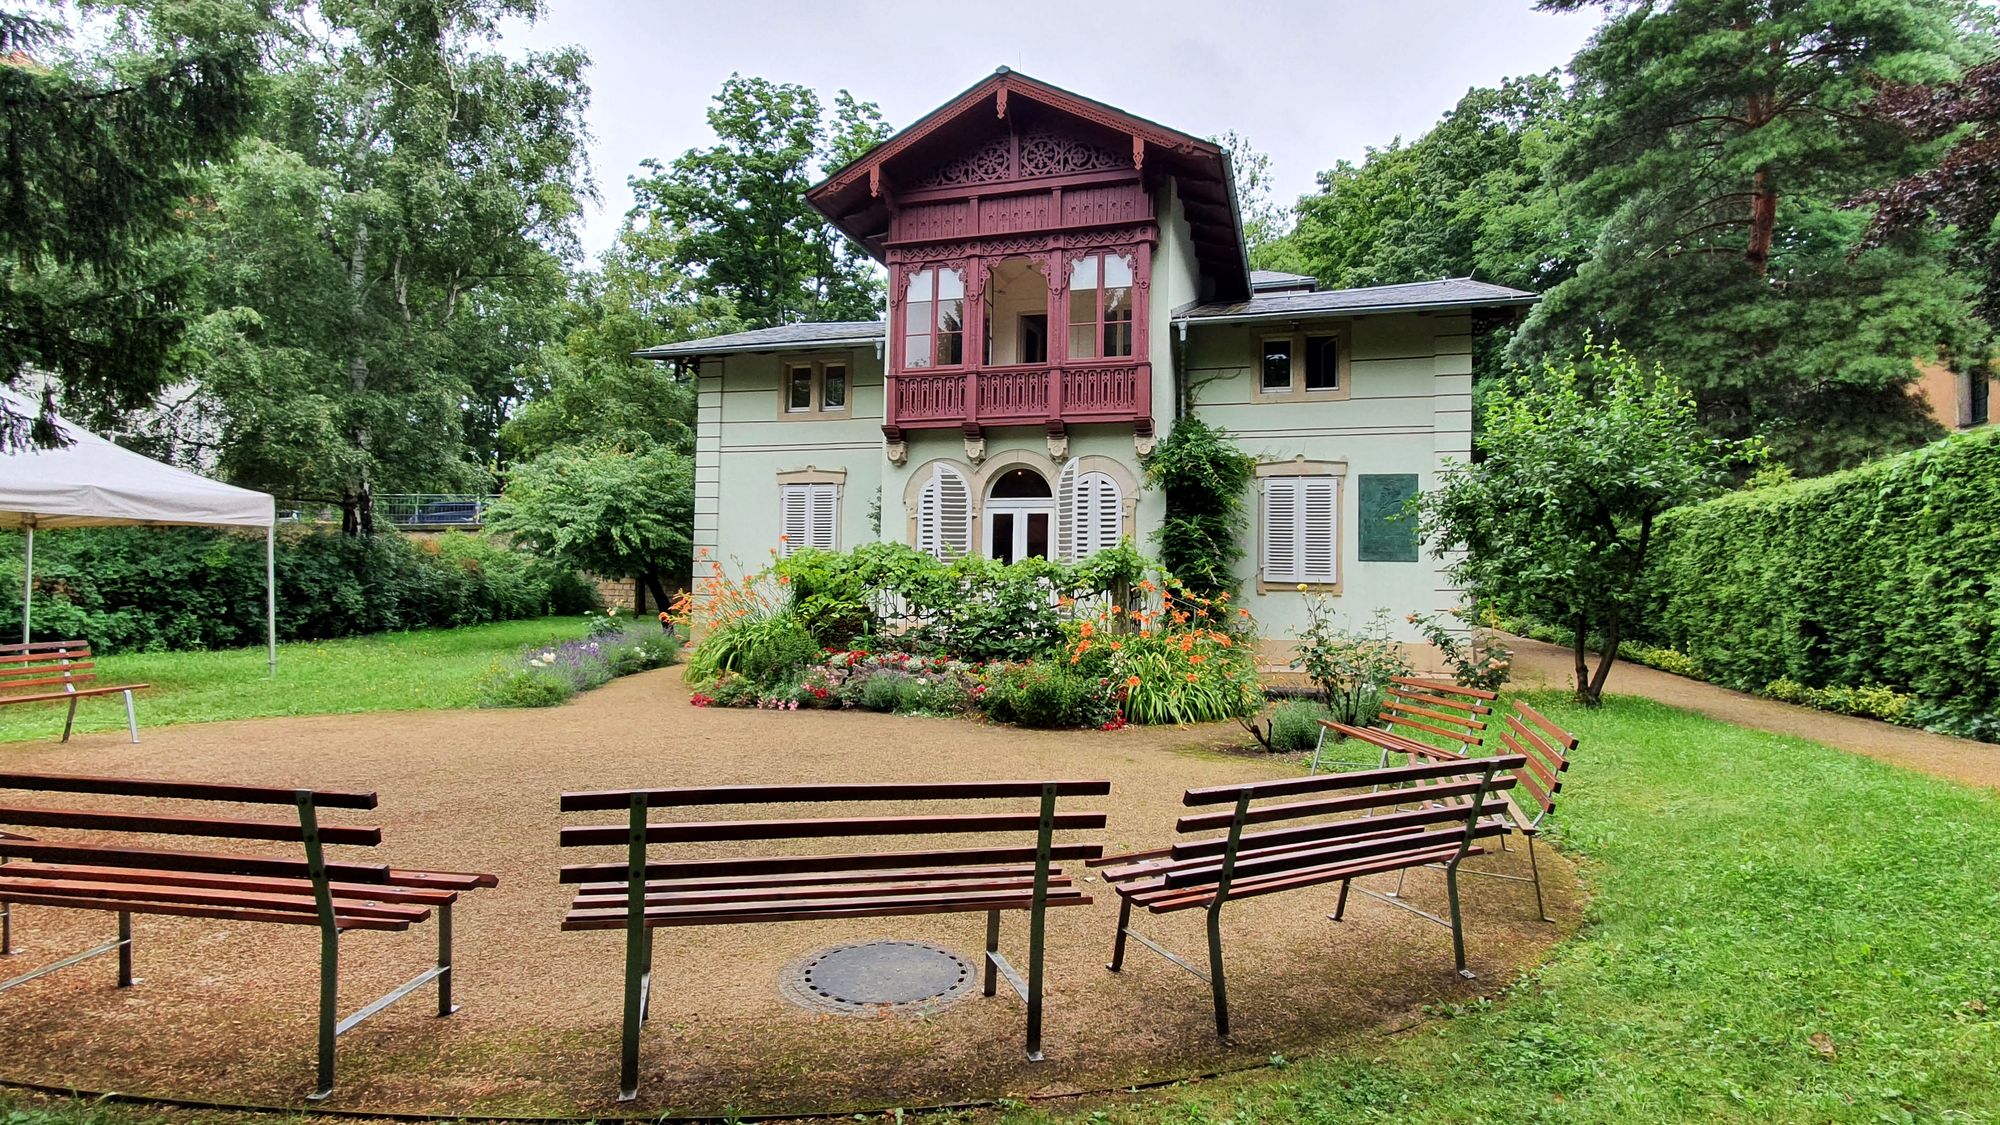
(1556, 516)
(605, 511)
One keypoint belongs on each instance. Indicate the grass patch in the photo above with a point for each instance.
(1781, 932)
(418, 670)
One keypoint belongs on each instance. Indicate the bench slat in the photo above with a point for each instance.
(1294, 786)
(778, 882)
(1441, 688)
(179, 910)
(1272, 864)
(31, 647)
(1356, 802)
(366, 892)
(816, 793)
(615, 898)
(689, 832)
(171, 825)
(788, 910)
(1400, 706)
(187, 790)
(154, 859)
(1308, 877)
(207, 896)
(1330, 832)
(807, 864)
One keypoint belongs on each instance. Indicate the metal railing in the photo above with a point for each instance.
(400, 509)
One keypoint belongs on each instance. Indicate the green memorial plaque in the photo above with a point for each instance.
(1384, 537)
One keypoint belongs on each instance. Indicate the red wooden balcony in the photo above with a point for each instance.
(1075, 393)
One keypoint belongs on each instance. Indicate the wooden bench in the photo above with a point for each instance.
(99, 871)
(637, 894)
(1412, 708)
(1348, 827)
(35, 668)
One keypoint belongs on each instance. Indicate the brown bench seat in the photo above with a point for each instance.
(50, 671)
(1349, 826)
(1414, 709)
(93, 871)
(640, 895)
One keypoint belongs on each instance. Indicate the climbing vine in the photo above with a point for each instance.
(1206, 479)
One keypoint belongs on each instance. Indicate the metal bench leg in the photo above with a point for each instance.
(1317, 747)
(1118, 943)
(1535, 869)
(1457, 929)
(6, 929)
(131, 718)
(1215, 971)
(70, 721)
(991, 983)
(125, 979)
(1340, 908)
(329, 1010)
(445, 1006)
(638, 952)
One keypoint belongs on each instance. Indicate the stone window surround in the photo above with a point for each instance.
(1343, 332)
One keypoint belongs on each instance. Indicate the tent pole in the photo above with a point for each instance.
(28, 582)
(271, 595)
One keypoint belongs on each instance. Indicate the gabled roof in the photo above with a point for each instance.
(1416, 296)
(784, 337)
(851, 198)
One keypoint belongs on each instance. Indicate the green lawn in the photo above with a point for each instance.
(1780, 932)
(384, 672)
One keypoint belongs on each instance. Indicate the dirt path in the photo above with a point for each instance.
(224, 1010)
(1956, 759)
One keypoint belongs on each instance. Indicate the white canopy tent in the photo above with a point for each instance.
(95, 483)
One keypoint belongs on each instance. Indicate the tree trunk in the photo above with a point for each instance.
(651, 580)
(1578, 643)
(1763, 221)
(357, 372)
(1612, 632)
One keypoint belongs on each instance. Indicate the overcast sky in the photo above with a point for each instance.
(1309, 83)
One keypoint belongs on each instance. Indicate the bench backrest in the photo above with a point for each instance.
(301, 827)
(1340, 819)
(41, 665)
(1545, 748)
(1415, 707)
(1033, 830)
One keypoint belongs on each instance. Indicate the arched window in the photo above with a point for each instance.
(1100, 306)
(934, 319)
(1091, 509)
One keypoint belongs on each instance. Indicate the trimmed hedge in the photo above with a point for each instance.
(150, 589)
(1886, 575)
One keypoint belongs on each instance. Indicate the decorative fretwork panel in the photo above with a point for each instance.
(1042, 153)
(1101, 390)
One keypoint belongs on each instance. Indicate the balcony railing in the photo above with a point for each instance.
(1026, 395)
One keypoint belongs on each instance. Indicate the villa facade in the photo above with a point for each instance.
(1065, 281)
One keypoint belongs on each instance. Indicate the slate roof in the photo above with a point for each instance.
(1261, 280)
(784, 337)
(1416, 296)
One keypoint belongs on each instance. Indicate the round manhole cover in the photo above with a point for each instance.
(895, 977)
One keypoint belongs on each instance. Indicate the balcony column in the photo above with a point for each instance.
(1058, 278)
(974, 325)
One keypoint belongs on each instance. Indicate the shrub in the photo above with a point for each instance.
(154, 589)
(1351, 667)
(1476, 661)
(1869, 701)
(883, 691)
(1049, 696)
(763, 649)
(1295, 726)
(524, 687)
(1882, 575)
(1665, 659)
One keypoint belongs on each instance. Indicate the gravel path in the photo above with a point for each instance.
(224, 1011)
(1955, 759)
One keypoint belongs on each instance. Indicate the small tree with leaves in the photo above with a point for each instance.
(1556, 518)
(606, 511)
(1205, 478)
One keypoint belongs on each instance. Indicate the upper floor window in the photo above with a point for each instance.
(1303, 366)
(934, 319)
(815, 388)
(1100, 306)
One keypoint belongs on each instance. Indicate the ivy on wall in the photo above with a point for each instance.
(1206, 480)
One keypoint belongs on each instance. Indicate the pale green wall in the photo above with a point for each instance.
(1408, 411)
(742, 446)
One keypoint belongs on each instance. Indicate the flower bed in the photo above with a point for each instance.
(546, 675)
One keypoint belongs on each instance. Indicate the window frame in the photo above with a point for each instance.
(1298, 470)
(1296, 391)
(1134, 332)
(902, 318)
(818, 410)
(810, 480)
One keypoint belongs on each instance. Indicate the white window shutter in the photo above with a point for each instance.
(1070, 521)
(825, 516)
(795, 520)
(1281, 530)
(1319, 525)
(1098, 514)
(944, 514)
